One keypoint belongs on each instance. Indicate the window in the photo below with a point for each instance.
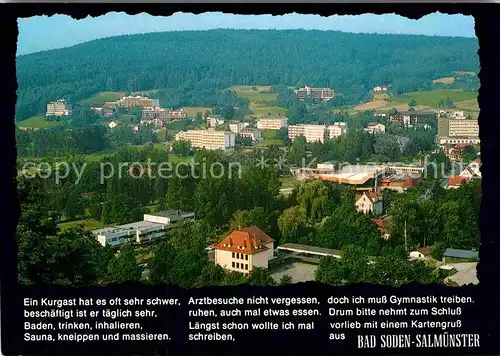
(237, 265)
(238, 255)
(233, 254)
(246, 266)
(233, 264)
(246, 257)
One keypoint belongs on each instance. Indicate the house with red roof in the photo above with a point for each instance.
(369, 202)
(454, 182)
(383, 227)
(244, 249)
(421, 253)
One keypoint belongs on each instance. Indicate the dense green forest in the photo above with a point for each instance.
(192, 67)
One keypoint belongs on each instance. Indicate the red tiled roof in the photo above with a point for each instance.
(380, 223)
(249, 240)
(425, 250)
(457, 180)
(370, 195)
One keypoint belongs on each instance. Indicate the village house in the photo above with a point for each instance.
(113, 124)
(421, 253)
(454, 182)
(380, 88)
(383, 227)
(374, 127)
(244, 249)
(472, 170)
(369, 202)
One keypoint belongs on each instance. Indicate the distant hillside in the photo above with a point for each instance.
(191, 62)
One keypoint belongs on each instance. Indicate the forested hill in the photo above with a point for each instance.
(206, 61)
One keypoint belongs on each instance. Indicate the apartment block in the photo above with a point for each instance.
(214, 121)
(458, 127)
(154, 227)
(151, 113)
(130, 101)
(208, 139)
(58, 108)
(272, 122)
(236, 127)
(252, 133)
(324, 94)
(316, 133)
(412, 118)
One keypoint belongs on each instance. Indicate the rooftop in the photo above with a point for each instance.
(425, 250)
(451, 252)
(171, 213)
(315, 250)
(249, 240)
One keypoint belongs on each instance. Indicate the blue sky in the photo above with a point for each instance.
(43, 33)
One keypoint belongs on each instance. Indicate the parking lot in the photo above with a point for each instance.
(300, 272)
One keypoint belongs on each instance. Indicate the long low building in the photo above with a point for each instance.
(208, 139)
(309, 250)
(317, 133)
(154, 227)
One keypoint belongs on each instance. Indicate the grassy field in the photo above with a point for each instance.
(192, 111)
(464, 73)
(261, 110)
(432, 97)
(269, 142)
(269, 134)
(255, 94)
(444, 80)
(38, 122)
(101, 98)
(288, 182)
(87, 224)
(472, 105)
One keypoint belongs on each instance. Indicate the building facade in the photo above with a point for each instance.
(251, 133)
(316, 133)
(458, 127)
(369, 202)
(244, 249)
(151, 113)
(130, 101)
(412, 118)
(58, 108)
(324, 94)
(208, 139)
(236, 127)
(374, 127)
(272, 123)
(154, 227)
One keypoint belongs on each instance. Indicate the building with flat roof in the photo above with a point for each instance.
(252, 133)
(460, 255)
(58, 108)
(317, 133)
(244, 249)
(236, 127)
(137, 100)
(374, 127)
(412, 118)
(153, 228)
(324, 94)
(208, 139)
(162, 114)
(272, 122)
(459, 127)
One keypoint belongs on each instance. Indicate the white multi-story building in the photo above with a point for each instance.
(236, 127)
(58, 108)
(272, 122)
(208, 139)
(374, 127)
(317, 133)
(324, 94)
(154, 227)
(244, 249)
(214, 121)
(252, 133)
